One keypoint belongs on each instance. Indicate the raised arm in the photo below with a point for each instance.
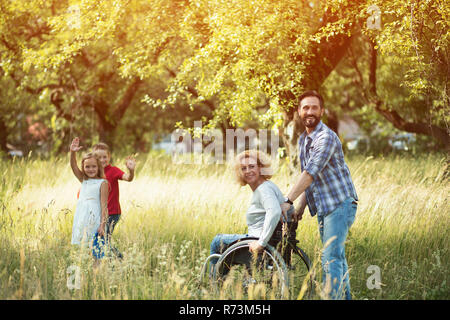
(74, 148)
(131, 165)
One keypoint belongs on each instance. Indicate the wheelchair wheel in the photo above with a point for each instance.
(300, 279)
(238, 272)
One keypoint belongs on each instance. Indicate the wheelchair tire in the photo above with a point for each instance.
(261, 277)
(300, 278)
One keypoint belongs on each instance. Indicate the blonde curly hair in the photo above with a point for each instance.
(262, 160)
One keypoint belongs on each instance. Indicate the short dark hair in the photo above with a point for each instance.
(311, 93)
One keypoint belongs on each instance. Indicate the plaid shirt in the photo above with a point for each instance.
(322, 157)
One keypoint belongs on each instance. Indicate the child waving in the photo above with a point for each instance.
(112, 174)
(92, 210)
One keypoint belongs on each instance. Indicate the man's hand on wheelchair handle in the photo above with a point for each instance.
(284, 209)
(298, 214)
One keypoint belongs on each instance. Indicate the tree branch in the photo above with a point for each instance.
(393, 117)
(210, 104)
(56, 100)
(126, 99)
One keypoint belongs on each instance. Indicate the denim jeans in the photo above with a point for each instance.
(221, 242)
(333, 229)
(110, 225)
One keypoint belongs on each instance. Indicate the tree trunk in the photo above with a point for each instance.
(440, 134)
(325, 57)
(3, 135)
(289, 136)
(106, 133)
(108, 120)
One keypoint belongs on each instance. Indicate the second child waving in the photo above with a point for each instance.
(91, 212)
(112, 174)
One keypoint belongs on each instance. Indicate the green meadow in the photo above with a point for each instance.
(171, 212)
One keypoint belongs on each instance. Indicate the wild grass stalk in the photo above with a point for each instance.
(171, 213)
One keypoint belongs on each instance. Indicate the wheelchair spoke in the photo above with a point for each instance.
(274, 274)
(241, 274)
(301, 284)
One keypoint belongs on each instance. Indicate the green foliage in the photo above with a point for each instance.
(71, 62)
(411, 74)
(125, 70)
(414, 45)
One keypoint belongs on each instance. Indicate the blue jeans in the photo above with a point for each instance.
(333, 229)
(221, 242)
(110, 225)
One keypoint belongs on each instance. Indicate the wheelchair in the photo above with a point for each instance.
(281, 270)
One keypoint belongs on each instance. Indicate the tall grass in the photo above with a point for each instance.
(172, 211)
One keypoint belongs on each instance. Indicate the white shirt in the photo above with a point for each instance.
(264, 212)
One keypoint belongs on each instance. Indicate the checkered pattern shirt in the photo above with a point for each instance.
(322, 157)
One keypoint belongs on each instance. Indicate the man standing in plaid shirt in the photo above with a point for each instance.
(326, 187)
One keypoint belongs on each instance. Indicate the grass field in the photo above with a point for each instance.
(171, 213)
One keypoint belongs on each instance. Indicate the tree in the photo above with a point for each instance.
(399, 71)
(226, 62)
(255, 58)
(265, 54)
(416, 39)
(76, 56)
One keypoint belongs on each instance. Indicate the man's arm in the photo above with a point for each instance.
(299, 188)
(319, 158)
(302, 184)
(297, 216)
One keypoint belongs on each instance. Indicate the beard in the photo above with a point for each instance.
(310, 121)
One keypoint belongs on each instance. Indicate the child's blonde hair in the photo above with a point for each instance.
(101, 146)
(100, 172)
(262, 160)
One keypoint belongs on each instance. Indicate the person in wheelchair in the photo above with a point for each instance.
(253, 167)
